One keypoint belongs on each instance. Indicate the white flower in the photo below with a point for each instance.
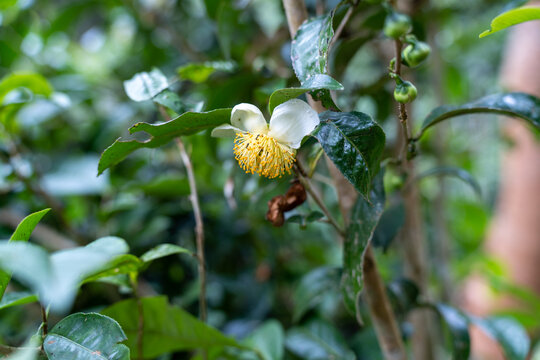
(268, 149)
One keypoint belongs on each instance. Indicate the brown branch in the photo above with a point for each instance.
(378, 303)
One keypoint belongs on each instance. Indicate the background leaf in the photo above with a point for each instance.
(17, 298)
(200, 72)
(166, 328)
(268, 340)
(515, 104)
(32, 81)
(185, 124)
(86, 337)
(458, 325)
(459, 173)
(145, 85)
(163, 250)
(511, 18)
(508, 333)
(354, 143)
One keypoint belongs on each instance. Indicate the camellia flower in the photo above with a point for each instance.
(268, 149)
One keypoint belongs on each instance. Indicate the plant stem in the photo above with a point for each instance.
(380, 310)
(45, 326)
(140, 318)
(307, 185)
(199, 228)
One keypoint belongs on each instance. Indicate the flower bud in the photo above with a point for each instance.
(405, 92)
(396, 25)
(415, 53)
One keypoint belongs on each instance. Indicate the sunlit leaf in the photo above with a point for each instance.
(200, 72)
(145, 85)
(32, 81)
(511, 18)
(163, 250)
(86, 337)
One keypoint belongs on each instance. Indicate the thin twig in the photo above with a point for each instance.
(341, 25)
(45, 327)
(140, 319)
(199, 228)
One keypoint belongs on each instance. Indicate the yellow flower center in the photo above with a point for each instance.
(262, 154)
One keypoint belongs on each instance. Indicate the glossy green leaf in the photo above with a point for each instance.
(22, 233)
(163, 250)
(166, 328)
(56, 278)
(514, 104)
(32, 81)
(17, 298)
(354, 143)
(458, 326)
(510, 335)
(459, 173)
(316, 82)
(200, 72)
(309, 54)
(185, 124)
(364, 218)
(123, 264)
(318, 340)
(403, 295)
(145, 85)
(312, 288)
(511, 18)
(86, 337)
(268, 340)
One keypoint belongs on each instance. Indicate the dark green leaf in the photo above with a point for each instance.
(354, 143)
(456, 172)
(403, 295)
(458, 325)
(86, 337)
(511, 18)
(172, 101)
(163, 250)
(166, 328)
(34, 82)
(389, 225)
(364, 218)
(145, 85)
(508, 333)
(17, 298)
(268, 340)
(309, 54)
(22, 233)
(515, 104)
(185, 124)
(318, 340)
(312, 287)
(200, 72)
(316, 82)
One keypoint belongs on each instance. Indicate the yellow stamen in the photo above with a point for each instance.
(262, 154)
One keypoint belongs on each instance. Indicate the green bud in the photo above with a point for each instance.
(397, 25)
(415, 53)
(405, 92)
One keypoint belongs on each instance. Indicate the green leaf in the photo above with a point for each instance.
(123, 264)
(29, 351)
(22, 233)
(172, 101)
(166, 186)
(511, 18)
(17, 298)
(185, 124)
(508, 333)
(312, 287)
(56, 278)
(309, 54)
(354, 143)
(88, 336)
(163, 250)
(316, 82)
(403, 295)
(268, 340)
(318, 340)
(459, 173)
(200, 72)
(514, 104)
(364, 218)
(32, 81)
(166, 328)
(389, 225)
(145, 85)
(458, 325)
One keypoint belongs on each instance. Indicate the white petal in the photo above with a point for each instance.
(291, 121)
(249, 118)
(226, 130)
